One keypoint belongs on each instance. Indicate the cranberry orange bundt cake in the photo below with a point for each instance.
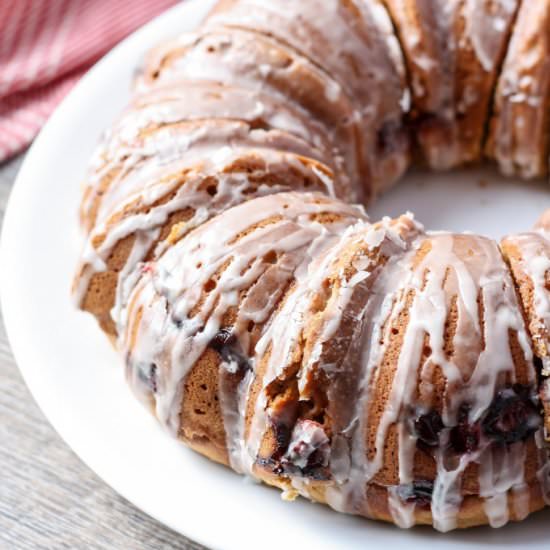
(266, 322)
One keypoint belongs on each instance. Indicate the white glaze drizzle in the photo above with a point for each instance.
(283, 334)
(214, 117)
(231, 188)
(177, 286)
(205, 147)
(486, 274)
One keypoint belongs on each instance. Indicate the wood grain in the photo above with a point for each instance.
(48, 498)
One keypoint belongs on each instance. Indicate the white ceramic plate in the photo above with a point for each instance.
(76, 377)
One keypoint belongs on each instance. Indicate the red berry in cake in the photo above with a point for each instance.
(228, 348)
(427, 428)
(464, 437)
(308, 450)
(419, 492)
(512, 417)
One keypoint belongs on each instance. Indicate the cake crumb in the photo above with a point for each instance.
(289, 495)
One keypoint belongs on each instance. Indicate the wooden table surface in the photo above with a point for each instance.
(48, 498)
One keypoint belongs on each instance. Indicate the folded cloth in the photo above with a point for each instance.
(46, 46)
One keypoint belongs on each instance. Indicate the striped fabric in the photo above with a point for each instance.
(46, 46)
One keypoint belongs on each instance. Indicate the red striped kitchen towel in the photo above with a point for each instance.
(46, 46)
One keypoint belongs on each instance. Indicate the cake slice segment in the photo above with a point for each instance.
(528, 255)
(519, 135)
(453, 51)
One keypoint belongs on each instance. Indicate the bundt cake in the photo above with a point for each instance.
(390, 372)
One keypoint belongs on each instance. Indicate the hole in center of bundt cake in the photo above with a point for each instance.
(476, 200)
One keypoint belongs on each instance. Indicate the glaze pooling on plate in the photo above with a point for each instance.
(385, 370)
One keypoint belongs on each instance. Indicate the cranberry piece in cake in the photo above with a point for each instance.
(420, 492)
(428, 427)
(464, 437)
(512, 417)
